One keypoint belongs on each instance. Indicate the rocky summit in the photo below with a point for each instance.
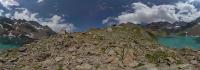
(122, 47)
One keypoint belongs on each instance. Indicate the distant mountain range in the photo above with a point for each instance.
(180, 27)
(30, 30)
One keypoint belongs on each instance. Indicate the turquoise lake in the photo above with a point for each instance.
(180, 42)
(172, 42)
(10, 42)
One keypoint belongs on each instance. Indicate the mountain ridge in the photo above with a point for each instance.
(30, 30)
(176, 28)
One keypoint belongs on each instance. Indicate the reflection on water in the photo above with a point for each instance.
(181, 42)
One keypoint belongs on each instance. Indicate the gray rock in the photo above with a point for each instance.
(109, 29)
(71, 49)
(41, 56)
(84, 67)
(111, 52)
(79, 60)
(185, 67)
(89, 33)
(128, 61)
(170, 59)
(194, 62)
(111, 60)
(147, 67)
(57, 59)
(13, 60)
(2, 60)
(22, 49)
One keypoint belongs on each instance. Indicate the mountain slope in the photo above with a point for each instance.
(122, 47)
(193, 31)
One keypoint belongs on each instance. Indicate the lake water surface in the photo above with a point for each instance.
(10, 42)
(172, 42)
(181, 42)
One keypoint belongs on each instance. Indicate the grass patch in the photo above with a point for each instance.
(60, 67)
(179, 62)
(157, 56)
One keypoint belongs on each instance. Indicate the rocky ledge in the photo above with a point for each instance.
(123, 47)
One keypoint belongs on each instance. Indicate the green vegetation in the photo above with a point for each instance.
(157, 56)
(60, 67)
(179, 62)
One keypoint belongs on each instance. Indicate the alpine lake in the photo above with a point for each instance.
(180, 42)
(170, 41)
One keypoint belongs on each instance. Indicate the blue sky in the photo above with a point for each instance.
(81, 15)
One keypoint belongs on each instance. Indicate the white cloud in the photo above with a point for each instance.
(39, 1)
(56, 22)
(192, 1)
(9, 3)
(187, 12)
(110, 21)
(1, 12)
(170, 13)
(25, 14)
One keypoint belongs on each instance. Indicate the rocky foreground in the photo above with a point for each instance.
(124, 47)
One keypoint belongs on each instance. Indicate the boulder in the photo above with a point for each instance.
(84, 67)
(57, 59)
(22, 49)
(109, 30)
